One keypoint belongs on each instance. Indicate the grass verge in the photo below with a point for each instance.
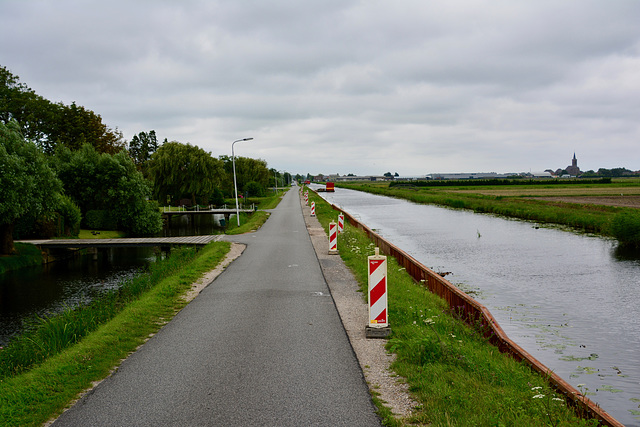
(70, 359)
(101, 234)
(255, 220)
(26, 256)
(458, 378)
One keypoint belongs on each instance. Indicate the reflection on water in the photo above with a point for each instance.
(569, 299)
(43, 290)
(193, 225)
(50, 288)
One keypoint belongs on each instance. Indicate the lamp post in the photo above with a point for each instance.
(235, 185)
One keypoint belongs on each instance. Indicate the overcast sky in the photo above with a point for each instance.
(345, 86)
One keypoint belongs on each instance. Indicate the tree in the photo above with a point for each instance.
(179, 170)
(141, 147)
(247, 170)
(51, 124)
(28, 186)
(109, 183)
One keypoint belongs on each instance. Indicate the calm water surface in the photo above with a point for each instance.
(44, 290)
(48, 289)
(571, 300)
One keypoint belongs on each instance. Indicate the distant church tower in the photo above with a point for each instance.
(573, 170)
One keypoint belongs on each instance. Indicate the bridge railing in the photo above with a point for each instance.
(198, 208)
(478, 316)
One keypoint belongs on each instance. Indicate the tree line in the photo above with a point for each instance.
(62, 168)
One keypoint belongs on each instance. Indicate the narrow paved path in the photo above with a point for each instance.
(262, 345)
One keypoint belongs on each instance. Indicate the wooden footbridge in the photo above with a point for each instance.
(57, 248)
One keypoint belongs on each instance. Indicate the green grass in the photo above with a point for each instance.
(101, 234)
(458, 378)
(67, 358)
(26, 256)
(252, 222)
(584, 217)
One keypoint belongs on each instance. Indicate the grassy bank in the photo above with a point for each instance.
(458, 378)
(25, 256)
(45, 369)
(252, 222)
(525, 202)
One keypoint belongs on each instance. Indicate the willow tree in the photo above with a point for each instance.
(180, 170)
(28, 186)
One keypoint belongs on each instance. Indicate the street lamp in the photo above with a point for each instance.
(235, 185)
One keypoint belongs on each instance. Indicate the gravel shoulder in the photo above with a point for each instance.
(373, 358)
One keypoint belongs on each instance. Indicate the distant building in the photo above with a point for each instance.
(573, 170)
(473, 175)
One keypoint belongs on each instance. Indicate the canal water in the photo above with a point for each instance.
(47, 289)
(571, 300)
(43, 290)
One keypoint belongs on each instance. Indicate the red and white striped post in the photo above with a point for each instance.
(340, 223)
(378, 326)
(313, 208)
(333, 238)
(306, 197)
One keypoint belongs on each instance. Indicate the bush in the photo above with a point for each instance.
(626, 228)
(99, 220)
(71, 216)
(144, 219)
(217, 199)
(254, 189)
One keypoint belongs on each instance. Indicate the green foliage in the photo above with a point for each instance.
(180, 170)
(247, 170)
(142, 146)
(28, 186)
(51, 125)
(100, 219)
(217, 199)
(70, 215)
(33, 397)
(626, 228)
(25, 255)
(109, 183)
(254, 189)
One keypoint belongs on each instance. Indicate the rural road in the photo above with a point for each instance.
(262, 345)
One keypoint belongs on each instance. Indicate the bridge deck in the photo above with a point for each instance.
(140, 241)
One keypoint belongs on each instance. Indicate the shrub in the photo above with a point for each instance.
(254, 189)
(625, 227)
(71, 216)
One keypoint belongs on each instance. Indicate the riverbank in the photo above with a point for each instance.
(28, 255)
(456, 376)
(46, 368)
(577, 205)
(32, 395)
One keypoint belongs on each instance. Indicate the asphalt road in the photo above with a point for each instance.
(262, 345)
